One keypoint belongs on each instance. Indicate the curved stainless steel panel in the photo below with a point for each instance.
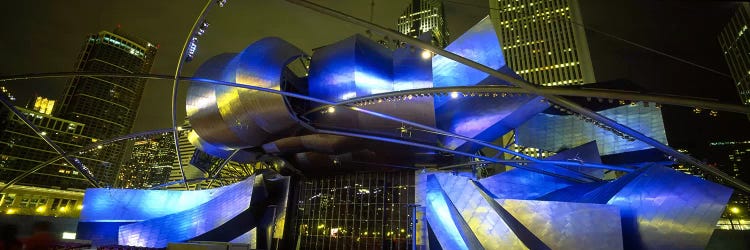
(257, 117)
(232, 118)
(201, 105)
(217, 151)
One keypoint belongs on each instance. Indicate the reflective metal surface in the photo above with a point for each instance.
(487, 226)
(567, 225)
(665, 209)
(239, 118)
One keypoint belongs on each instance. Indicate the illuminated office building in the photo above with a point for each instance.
(150, 162)
(736, 45)
(732, 157)
(21, 149)
(108, 105)
(28, 200)
(43, 105)
(541, 41)
(425, 16)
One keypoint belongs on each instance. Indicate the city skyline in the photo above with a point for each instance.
(297, 129)
(458, 13)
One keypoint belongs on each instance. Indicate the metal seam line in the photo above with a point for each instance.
(75, 163)
(593, 93)
(525, 85)
(87, 147)
(175, 85)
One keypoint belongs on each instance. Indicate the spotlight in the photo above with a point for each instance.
(713, 113)
(331, 109)
(454, 95)
(697, 110)
(426, 54)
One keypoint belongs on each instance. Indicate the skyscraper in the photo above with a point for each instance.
(422, 16)
(150, 162)
(736, 46)
(108, 105)
(542, 42)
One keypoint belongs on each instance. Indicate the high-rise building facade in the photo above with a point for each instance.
(108, 105)
(732, 157)
(150, 162)
(425, 16)
(542, 42)
(21, 149)
(736, 45)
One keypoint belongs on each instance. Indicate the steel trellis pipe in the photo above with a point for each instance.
(176, 84)
(73, 162)
(384, 116)
(593, 93)
(86, 148)
(528, 86)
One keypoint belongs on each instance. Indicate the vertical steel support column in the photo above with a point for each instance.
(527, 86)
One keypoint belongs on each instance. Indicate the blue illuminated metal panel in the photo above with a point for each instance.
(128, 205)
(487, 226)
(553, 132)
(567, 225)
(665, 209)
(353, 67)
(522, 184)
(444, 220)
(584, 153)
(479, 44)
(483, 118)
(185, 225)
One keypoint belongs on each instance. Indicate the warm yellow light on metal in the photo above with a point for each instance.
(734, 210)
(41, 209)
(63, 209)
(10, 211)
(79, 207)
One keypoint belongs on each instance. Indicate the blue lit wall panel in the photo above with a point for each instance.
(112, 205)
(487, 226)
(553, 132)
(567, 225)
(353, 67)
(586, 153)
(440, 214)
(522, 184)
(187, 224)
(485, 118)
(665, 209)
(479, 44)
(411, 70)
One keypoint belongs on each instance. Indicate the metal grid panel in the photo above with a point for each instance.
(356, 211)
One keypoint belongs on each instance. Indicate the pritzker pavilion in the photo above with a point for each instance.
(402, 147)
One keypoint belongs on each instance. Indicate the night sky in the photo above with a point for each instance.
(46, 36)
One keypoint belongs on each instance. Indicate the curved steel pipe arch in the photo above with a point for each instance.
(86, 148)
(175, 85)
(384, 116)
(593, 93)
(527, 86)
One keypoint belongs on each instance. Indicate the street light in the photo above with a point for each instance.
(734, 210)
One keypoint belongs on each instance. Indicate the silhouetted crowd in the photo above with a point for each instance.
(41, 238)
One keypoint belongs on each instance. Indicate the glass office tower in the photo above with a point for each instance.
(108, 105)
(543, 40)
(423, 16)
(736, 46)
